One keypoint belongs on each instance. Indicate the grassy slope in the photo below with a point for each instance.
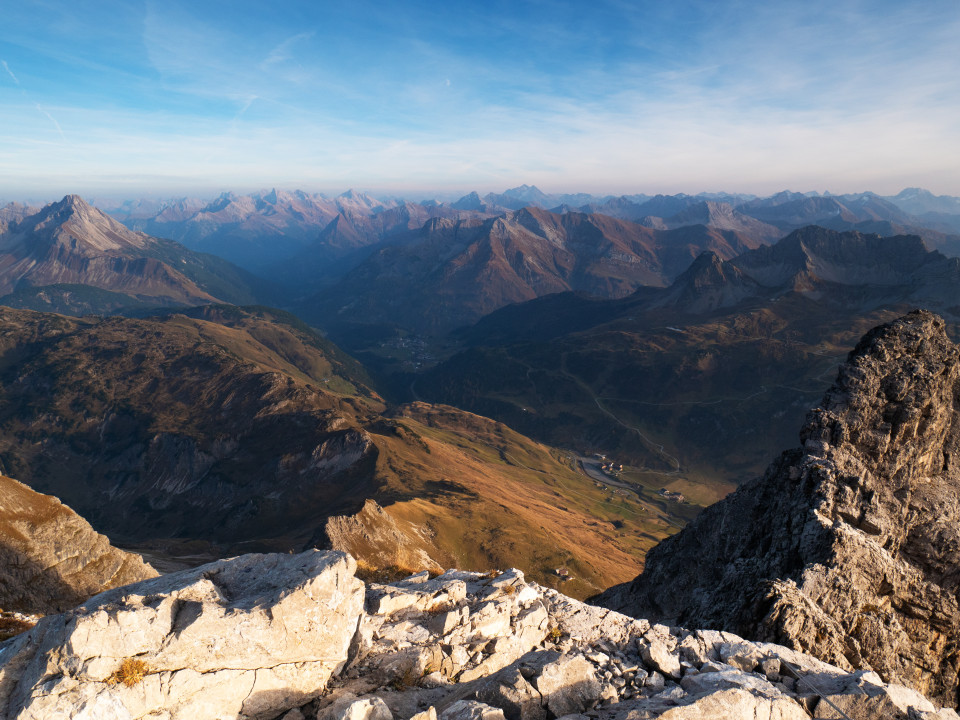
(489, 496)
(495, 499)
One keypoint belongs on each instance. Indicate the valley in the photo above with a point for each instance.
(490, 353)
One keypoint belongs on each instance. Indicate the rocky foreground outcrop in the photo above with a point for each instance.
(240, 638)
(847, 548)
(51, 558)
(298, 637)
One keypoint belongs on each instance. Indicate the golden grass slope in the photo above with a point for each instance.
(51, 558)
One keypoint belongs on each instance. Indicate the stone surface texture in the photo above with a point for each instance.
(242, 638)
(297, 638)
(52, 559)
(466, 646)
(846, 548)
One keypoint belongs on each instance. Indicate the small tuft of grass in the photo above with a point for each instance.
(508, 589)
(405, 680)
(131, 672)
(554, 633)
(439, 608)
(11, 626)
(368, 572)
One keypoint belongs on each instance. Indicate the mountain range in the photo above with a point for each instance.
(219, 430)
(501, 344)
(699, 382)
(689, 350)
(453, 272)
(264, 230)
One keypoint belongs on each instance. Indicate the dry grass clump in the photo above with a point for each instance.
(439, 608)
(405, 680)
(130, 672)
(368, 572)
(11, 626)
(554, 633)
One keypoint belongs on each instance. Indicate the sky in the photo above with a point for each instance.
(135, 98)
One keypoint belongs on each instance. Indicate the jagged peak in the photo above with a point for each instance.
(470, 201)
(74, 206)
(705, 261)
(73, 201)
(75, 221)
(862, 519)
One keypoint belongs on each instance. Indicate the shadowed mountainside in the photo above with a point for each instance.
(847, 547)
(455, 272)
(702, 380)
(227, 429)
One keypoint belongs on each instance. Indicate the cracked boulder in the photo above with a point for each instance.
(243, 638)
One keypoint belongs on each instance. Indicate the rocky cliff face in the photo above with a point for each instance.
(847, 547)
(298, 636)
(51, 558)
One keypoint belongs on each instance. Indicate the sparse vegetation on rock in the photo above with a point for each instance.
(297, 637)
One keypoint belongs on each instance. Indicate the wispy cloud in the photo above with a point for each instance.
(246, 106)
(283, 51)
(688, 96)
(9, 72)
(54, 121)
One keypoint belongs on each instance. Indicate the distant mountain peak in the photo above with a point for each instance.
(470, 201)
(73, 201)
(84, 224)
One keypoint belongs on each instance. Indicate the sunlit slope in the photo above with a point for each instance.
(223, 429)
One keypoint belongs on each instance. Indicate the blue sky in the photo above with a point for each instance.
(173, 97)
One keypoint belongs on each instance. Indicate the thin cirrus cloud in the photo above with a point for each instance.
(9, 72)
(622, 97)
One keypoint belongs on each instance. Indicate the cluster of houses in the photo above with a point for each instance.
(610, 468)
(670, 495)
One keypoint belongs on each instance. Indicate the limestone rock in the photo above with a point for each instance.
(471, 710)
(568, 686)
(848, 547)
(50, 558)
(372, 708)
(243, 638)
(278, 636)
(737, 704)
(511, 692)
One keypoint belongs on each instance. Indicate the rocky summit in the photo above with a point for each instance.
(847, 547)
(297, 637)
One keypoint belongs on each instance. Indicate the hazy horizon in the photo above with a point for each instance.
(132, 99)
(104, 199)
